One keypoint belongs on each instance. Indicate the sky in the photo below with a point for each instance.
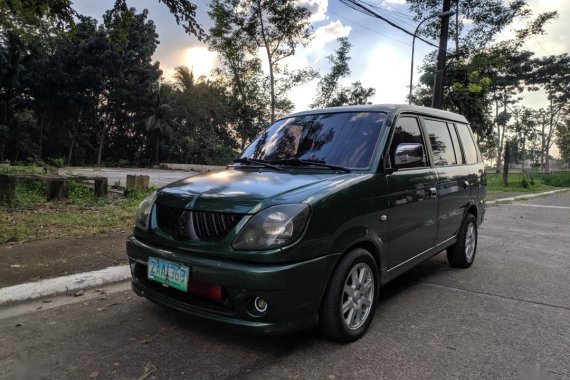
(381, 55)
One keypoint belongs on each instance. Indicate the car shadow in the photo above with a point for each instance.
(433, 267)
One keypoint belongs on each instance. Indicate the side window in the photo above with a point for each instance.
(456, 145)
(407, 131)
(441, 144)
(468, 144)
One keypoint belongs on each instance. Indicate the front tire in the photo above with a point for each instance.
(350, 300)
(462, 253)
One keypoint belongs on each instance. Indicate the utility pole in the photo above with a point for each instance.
(437, 98)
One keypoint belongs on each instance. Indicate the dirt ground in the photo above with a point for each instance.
(33, 261)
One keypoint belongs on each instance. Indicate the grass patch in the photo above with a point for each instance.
(32, 218)
(524, 183)
(11, 169)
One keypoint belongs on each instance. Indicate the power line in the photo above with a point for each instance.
(370, 29)
(361, 7)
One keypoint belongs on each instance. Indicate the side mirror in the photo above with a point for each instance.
(407, 154)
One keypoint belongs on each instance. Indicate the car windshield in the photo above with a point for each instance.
(345, 139)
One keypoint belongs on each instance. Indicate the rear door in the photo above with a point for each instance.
(453, 185)
(413, 201)
(474, 161)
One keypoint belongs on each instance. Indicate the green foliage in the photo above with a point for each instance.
(527, 182)
(29, 195)
(276, 27)
(78, 217)
(557, 179)
(329, 84)
(489, 18)
(564, 139)
(58, 162)
(352, 95)
(21, 169)
(329, 91)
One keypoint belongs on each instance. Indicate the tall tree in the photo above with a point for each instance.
(329, 84)
(161, 121)
(564, 139)
(552, 75)
(240, 70)
(276, 26)
(330, 93)
(485, 18)
(129, 73)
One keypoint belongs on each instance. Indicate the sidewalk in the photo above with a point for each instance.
(34, 261)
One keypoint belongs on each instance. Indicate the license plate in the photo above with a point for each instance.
(168, 274)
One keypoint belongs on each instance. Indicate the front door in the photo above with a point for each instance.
(413, 198)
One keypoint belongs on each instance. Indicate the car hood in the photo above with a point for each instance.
(245, 190)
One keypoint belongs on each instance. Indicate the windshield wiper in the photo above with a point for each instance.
(298, 161)
(252, 161)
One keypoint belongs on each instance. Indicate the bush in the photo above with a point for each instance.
(524, 183)
(29, 195)
(58, 162)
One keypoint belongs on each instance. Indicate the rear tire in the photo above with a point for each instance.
(350, 300)
(462, 253)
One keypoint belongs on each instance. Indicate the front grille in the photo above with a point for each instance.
(213, 225)
(195, 225)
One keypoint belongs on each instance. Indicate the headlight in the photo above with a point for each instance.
(143, 213)
(273, 227)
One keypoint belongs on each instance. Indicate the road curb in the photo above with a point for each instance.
(526, 196)
(64, 284)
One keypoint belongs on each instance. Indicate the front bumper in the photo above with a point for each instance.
(293, 291)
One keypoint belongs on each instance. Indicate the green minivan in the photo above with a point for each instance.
(314, 216)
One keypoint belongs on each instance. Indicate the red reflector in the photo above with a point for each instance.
(201, 289)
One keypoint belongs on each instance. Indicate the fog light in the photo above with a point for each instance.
(260, 305)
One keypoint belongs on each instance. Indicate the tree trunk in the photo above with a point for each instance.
(74, 136)
(499, 143)
(542, 145)
(270, 61)
(42, 133)
(506, 164)
(101, 144)
(157, 146)
(523, 153)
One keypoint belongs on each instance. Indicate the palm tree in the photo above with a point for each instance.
(161, 120)
(186, 80)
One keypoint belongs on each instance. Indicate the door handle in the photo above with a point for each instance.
(433, 192)
(465, 184)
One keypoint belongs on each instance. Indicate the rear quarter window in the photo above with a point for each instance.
(469, 147)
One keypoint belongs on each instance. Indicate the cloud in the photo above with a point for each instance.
(328, 33)
(318, 8)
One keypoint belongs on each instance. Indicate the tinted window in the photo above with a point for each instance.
(441, 145)
(469, 148)
(347, 139)
(456, 145)
(407, 130)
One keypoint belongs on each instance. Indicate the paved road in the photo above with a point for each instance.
(158, 177)
(507, 313)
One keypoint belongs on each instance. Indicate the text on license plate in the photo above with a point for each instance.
(168, 273)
